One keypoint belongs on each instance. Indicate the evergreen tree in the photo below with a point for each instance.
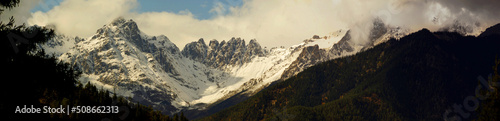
(489, 110)
(183, 118)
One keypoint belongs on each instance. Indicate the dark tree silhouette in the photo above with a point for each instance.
(9, 4)
(30, 77)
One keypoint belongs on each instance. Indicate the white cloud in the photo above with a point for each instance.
(218, 9)
(21, 13)
(271, 22)
(82, 17)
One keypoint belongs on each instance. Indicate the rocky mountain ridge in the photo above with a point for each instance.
(153, 71)
(218, 55)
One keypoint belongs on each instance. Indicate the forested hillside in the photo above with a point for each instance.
(418, 77)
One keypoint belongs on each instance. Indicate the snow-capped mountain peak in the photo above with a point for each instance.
(153, 71)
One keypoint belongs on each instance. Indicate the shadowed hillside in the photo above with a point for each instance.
(418, 77)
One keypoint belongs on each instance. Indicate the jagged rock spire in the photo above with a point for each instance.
(232, 52)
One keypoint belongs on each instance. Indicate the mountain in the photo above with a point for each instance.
(312, 51)
(121, 59)
(461, 27)
(218, 55)
(421, 76)
(151, 70)
(312, 55)
(60, 44)
(42, 81)
(491, 31)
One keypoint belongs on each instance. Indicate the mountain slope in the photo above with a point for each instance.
(417, 77)
(151, 70)
(345, 46)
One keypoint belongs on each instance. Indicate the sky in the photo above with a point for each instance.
(271, 22)
(199, 8)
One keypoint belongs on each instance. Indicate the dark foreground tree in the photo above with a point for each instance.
(489, 110)
(31, 78)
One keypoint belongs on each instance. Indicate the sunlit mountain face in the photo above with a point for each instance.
(251, 59)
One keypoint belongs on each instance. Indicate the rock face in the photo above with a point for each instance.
(344, 45)
(253, 49)
(196, 50)
(378, 30)
(313, 55)
(309, 56)
(231, 53)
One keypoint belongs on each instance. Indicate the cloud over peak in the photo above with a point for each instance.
(273, 23)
